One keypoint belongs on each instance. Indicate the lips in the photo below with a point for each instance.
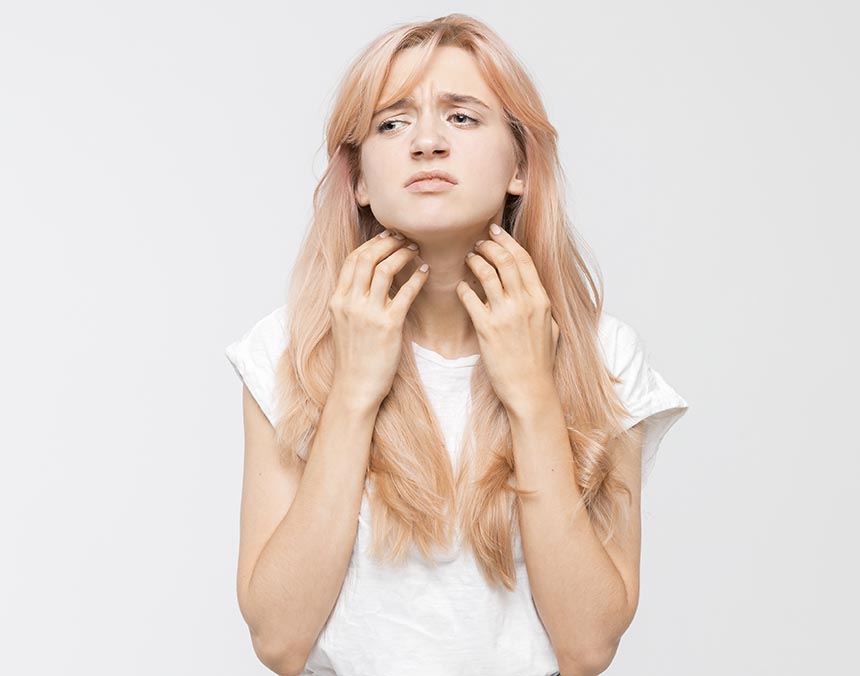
(424, 175)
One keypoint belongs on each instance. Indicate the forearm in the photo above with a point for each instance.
(299, 573)
(578, 591)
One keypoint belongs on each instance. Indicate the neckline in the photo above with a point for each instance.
(435, 357)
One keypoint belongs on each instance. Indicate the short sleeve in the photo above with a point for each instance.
(255, 356)
(643, 390)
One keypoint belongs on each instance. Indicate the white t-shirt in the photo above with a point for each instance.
(447, 621)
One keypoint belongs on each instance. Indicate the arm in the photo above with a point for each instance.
(291, 589)
(586, 594)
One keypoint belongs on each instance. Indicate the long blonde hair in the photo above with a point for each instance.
(416, 497)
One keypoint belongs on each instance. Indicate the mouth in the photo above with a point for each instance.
(429, 175)
(430, 185)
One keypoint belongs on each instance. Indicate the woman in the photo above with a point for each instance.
(445, 436)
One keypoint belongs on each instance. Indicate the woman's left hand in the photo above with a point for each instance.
(516, 332)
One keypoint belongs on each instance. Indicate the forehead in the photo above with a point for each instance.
(450, 69)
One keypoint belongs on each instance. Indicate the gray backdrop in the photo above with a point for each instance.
(157, 166)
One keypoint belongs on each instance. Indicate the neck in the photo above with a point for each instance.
(442, 322)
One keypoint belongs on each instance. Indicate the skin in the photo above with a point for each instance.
(586, 594)
(478, 152)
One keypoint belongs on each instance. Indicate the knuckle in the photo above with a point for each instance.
(380, 322)
(385, 267)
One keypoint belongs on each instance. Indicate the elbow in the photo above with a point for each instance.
(282, 657)
(594, 657)
(587, 664)
(284, 662)
(289, 669)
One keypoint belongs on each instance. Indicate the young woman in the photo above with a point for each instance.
(445, 435)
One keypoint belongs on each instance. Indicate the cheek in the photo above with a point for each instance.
(375, 166)
(380, 170)
(490, 163)
(370, 169)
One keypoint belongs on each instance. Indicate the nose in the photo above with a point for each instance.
(429, 140)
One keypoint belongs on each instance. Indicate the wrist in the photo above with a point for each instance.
(353, 398)
(531, 400)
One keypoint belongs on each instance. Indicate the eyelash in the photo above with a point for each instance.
(380, 126)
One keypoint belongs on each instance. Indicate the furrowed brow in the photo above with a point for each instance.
(447, 97)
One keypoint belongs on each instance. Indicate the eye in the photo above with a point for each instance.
(383, 129)
(467, 117)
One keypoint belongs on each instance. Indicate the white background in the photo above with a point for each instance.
(157, 162)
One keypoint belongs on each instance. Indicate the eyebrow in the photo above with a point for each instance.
(447, 97)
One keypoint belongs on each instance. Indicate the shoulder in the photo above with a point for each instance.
(619, 341)
(642, 388)
(267, 336)
(255, 355)
(629, 359)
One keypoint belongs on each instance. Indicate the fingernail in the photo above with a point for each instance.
(480, 242)
(397, 235)
(495, 229)
(384, 233)
(424, 267)
(412, 246)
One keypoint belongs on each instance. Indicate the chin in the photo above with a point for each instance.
(439, 221)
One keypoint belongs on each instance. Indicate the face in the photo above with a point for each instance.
(470, 142)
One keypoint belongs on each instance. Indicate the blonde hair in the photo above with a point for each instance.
(416, 498)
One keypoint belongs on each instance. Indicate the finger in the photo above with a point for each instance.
(402, 300)
(366, 260)
(486, 274)
(525, 264)
(505, 264)
(385, 270)
(474, 305)
(344, 280)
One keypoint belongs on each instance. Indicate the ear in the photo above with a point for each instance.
(517, 184)
(361, 192)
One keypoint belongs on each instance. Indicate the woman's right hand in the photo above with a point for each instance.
(367, 325)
